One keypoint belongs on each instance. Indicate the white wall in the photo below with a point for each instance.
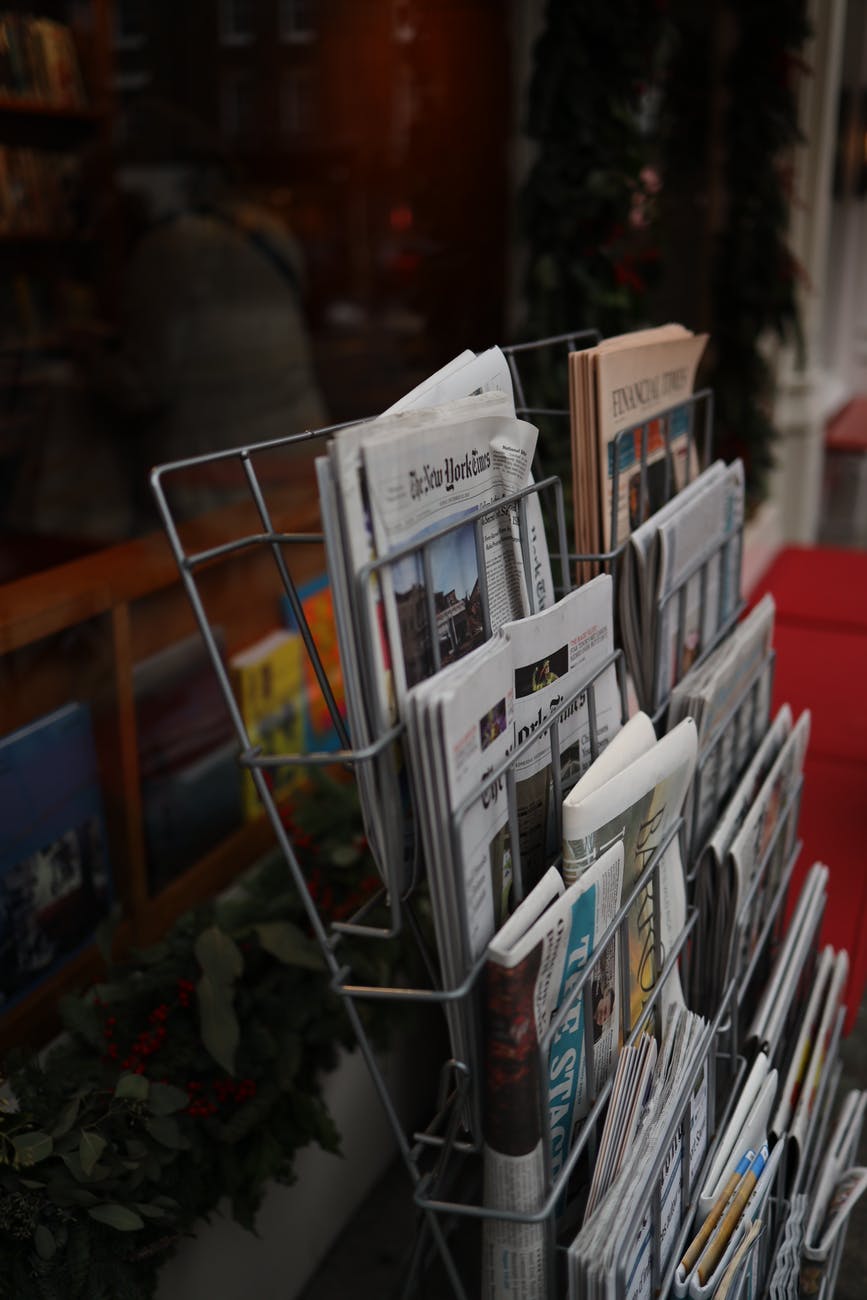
(809, 389)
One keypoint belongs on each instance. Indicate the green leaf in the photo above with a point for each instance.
(68, 1116)
(218, 1022)
(65, 1194)
(136, 1149)
(72, 1160)
(44, 1242)
(288, 944)
(117, 1216)
(150, 1211)
(32, 1147)
(167, 1202)
(90, 1148)
(31, 1183)
(165, 1099)
(135, 1087)
(290, 1059)
(219, 956)
(165, 1130)
(80, 1018)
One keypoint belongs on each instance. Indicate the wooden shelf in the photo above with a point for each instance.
(30, 107)
(120, 605)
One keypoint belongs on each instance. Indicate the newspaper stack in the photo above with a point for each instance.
(774, 1118)
(838, 1188)
(746, 858)
(783, 1284)
(808, 1046)
(681, 581)
(530, 974)
(771, 1024)
(624, 382)
(729, 698)
(524, 693)
(615, 1251)
(634, 792)
(630, 1093)
(733, 1198)
(393, 485)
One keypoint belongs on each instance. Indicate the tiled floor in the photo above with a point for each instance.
(372, 1257)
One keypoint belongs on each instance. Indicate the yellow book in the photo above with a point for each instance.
(268, 679)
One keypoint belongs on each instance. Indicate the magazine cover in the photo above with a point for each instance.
(55, 881)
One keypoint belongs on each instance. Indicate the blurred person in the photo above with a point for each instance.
(213, 350)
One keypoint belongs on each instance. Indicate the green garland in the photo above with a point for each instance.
(706, 95)
(191, 1074)
(755, 275)
(588, 207)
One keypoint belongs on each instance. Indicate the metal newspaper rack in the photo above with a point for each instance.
(445, 1138)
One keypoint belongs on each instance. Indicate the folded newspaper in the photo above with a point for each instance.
(634, 792)
(839, 1185)
(681, 581)
(792, 965)
(525, 691)
(716, 887)
(623, 382)
(729, 698)
(532, 966)
(424, 482)
(762, 847)
(558, 657)
(617, 1249)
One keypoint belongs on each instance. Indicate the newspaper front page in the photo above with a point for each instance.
(415, 486)
(553, 654)
(532, 962)
(633, 385)
(639, 805)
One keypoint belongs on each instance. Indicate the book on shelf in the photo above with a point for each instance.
(268, 680)
(626, 381)
(188, 758)
(317, 605)
(37, 192)
(55, 873)
(39, 61)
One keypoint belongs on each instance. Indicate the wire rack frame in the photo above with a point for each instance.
(278, 542)
(553, 1202)
(742, 724)
(701, 402)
